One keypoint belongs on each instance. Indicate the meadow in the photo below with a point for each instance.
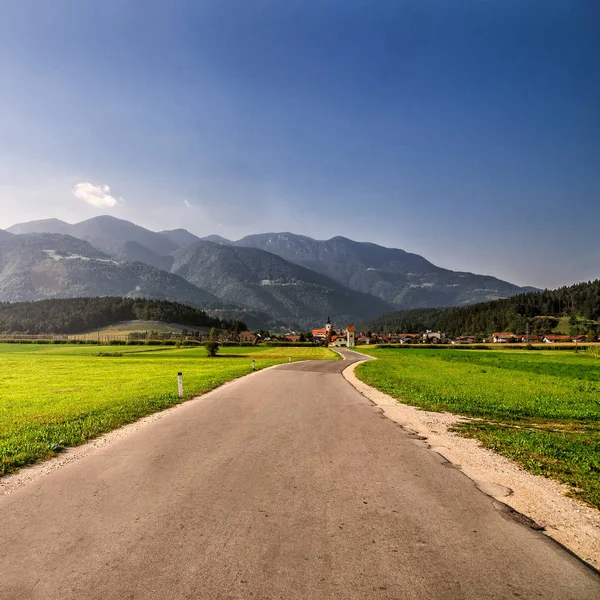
(55, 396)
(541, 409)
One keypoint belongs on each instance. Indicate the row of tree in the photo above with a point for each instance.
(77, 315)
(536, 312)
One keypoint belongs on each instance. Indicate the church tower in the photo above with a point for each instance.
(351, 332)
(328, 325)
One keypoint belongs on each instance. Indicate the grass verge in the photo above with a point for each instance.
(52, 397)
(540, 409)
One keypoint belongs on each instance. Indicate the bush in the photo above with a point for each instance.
(212, 348)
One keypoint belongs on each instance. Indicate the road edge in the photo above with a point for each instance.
(540, 501)
(14, 481)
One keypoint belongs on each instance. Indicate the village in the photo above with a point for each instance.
(347, 337)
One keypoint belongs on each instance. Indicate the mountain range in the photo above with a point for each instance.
(267, 279)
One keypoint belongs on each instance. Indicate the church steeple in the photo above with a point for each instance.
(328, 325)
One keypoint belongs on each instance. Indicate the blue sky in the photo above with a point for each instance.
(464, 130)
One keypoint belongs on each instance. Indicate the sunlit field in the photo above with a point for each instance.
(541, 409)
(54, 396)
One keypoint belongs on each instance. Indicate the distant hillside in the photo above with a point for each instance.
(400, 278)
(305, 279)
(38, 266)
(511, 314)
(218, 240)
(76, 315)
(42, 226)
(180, 237)
(105, 233)
(135, 252)
(41, 266)
(265, 282)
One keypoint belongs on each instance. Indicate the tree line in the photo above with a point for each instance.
(536, 312)
(77, 315)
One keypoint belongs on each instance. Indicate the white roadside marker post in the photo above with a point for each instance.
(289, 359)
(180, 384)
(253, 365)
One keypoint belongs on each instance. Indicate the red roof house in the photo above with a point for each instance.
(552, 339)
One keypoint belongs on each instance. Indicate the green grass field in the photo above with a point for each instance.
(541, 409)
(124, 328)
(53, 396)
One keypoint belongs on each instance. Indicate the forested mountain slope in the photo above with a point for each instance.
(180, 237)
(105, 233)
(76, 315)
(305, 279)
(266, 282)
(514, 314)
(398, 277)
(37, 266)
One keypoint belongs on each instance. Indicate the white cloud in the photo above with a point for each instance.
(96, 195)
(188, 204)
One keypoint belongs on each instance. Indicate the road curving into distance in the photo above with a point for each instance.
(287, 484)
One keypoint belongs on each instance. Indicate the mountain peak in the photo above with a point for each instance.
(180, 237)
(107, 219)
(41, 226)
(217, 239)
(262, 271)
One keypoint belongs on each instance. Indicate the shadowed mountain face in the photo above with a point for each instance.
(134, 252)
(265, 282)
(218, 240)
(180, 237)
(403, 279)
(291, 278)
(37, 266)
(42, 226)
(105, 233)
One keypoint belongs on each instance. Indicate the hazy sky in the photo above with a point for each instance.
(467, 131)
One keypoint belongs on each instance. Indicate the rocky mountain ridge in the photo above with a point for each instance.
(292, 278)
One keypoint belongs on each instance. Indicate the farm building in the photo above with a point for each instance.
(502, 337)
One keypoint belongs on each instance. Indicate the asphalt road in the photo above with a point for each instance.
(285, 485)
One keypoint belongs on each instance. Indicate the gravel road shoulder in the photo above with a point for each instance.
(14, 481)
(568, 521)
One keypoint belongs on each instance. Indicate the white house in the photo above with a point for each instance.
(434, 335)
(502, 337)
